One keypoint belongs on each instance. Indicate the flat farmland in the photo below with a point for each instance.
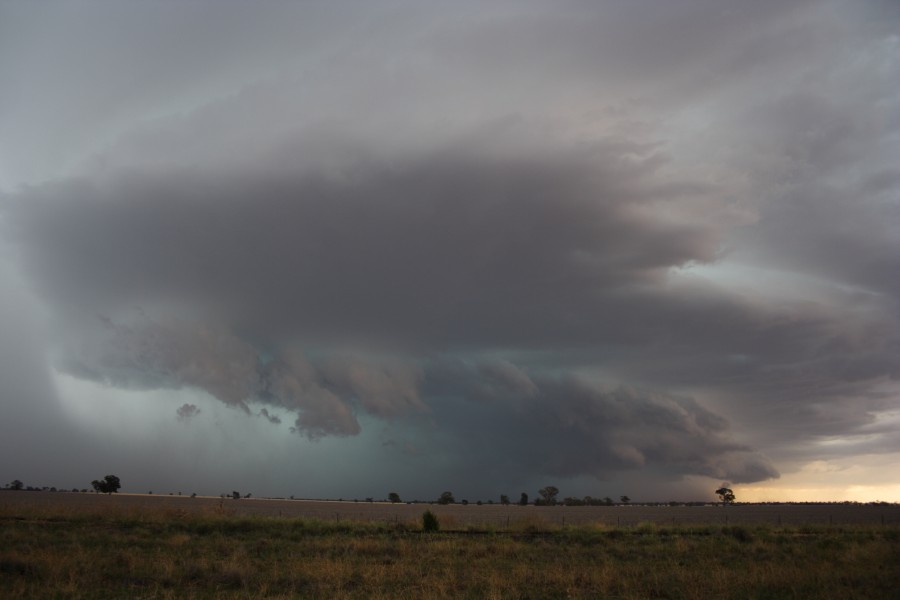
(72, 545)
(458, 516)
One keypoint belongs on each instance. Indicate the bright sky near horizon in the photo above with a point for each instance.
(341, 249)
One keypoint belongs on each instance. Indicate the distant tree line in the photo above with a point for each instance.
(547, 496)
(108, 485)
(17, 485)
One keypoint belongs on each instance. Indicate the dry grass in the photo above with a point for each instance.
(169, 553)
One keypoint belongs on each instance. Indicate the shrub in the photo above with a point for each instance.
(430, 521)
(738, 532)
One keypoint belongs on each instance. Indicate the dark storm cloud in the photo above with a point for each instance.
(567, 426)
(821, 157)
(145, 354)
(452, 247)
(581, 240)
(271, 418)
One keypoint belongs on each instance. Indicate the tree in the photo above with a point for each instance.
(523, 499)
(625, 499)
(15, 484)
(504, 499)
(394, 497)
(446, 498)
(108, 485)
(725, 495)
(548, 495)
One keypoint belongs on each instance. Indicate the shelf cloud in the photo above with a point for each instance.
(588, 243)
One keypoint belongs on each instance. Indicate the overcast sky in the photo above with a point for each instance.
(347, 248)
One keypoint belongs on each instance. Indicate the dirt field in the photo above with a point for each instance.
(462, 516)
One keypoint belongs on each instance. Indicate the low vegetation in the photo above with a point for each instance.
(166, 553)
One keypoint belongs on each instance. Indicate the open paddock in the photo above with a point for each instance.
(69, 545)
(492, 516)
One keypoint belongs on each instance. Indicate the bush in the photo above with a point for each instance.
(430, 521)
(738, 532)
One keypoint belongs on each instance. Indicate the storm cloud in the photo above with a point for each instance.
(588, 242)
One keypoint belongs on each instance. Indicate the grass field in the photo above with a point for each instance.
(90, 546)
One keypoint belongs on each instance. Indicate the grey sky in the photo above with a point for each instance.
(321, 248)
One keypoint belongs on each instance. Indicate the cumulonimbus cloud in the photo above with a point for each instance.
(419, 234)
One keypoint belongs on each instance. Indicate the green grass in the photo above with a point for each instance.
(172, 554)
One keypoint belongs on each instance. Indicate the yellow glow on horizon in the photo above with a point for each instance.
(869, 478)
(857, 493)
